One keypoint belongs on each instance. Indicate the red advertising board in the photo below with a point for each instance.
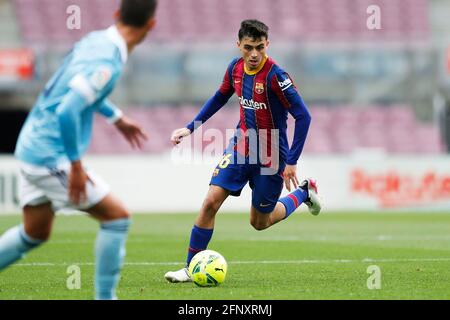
(16, 64)
(393, 189)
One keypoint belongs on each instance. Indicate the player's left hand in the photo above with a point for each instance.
(290, 175)
(132, 132)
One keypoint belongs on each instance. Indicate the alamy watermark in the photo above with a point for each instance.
(73, 281)
(373, 22)
(73, 21)
(374, 280)
(248, 146)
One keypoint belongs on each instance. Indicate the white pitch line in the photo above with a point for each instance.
(291, 238)
(348, 238)
(306, 261)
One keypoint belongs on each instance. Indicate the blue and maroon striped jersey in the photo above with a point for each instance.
(266, 96)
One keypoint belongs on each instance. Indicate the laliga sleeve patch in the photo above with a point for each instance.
(100, 78)
(285, 83)
(80, 85)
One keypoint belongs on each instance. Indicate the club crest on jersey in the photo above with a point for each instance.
(259, 87)
(101, 77)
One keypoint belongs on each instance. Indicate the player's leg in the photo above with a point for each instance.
(268, 209)
(38, 221)
(114, 224)
(202, 230)
(38, 216)
(110, 244)
(204, 224)
(261, 220)
(228, 179)
(108, 209)
(266, 190)
(35, 230)
(306, 193)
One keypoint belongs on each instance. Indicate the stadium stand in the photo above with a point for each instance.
(339, 130)
(9, 33)
(199, 20)
(170, 84)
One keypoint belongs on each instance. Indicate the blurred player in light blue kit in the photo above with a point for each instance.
(56, 135)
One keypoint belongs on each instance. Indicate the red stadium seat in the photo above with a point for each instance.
(182, 20)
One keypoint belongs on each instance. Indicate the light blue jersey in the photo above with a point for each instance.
(59, 127)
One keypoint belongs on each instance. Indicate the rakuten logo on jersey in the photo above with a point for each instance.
(250, 104)
(285, 84)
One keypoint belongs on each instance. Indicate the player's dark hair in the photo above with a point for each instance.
(253, 29)
(137, 12)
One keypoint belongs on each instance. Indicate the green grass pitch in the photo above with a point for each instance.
(304, 257)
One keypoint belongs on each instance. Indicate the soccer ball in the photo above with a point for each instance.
(208, 268)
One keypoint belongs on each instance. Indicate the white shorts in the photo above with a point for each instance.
(38, 185)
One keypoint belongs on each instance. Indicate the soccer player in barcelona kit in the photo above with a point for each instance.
(56, 135)
(259, 151)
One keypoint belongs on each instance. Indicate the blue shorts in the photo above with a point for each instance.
(266, 189)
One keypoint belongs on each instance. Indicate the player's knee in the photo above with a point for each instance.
(125, 214)
(259, 225)
(211, 205)
(120, 213)
(42, 234)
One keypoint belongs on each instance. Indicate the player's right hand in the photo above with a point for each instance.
(179, 134)
(77, 183)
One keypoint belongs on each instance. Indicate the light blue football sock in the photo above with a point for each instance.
(14, 243)
(109, 256)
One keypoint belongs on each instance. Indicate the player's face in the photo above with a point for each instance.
(253, 51)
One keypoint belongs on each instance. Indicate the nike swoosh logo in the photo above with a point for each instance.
(237, 81)
(264, 205)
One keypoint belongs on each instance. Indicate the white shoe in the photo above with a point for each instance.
(181, 275)
(313, 201)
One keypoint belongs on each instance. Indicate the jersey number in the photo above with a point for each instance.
(225, 161)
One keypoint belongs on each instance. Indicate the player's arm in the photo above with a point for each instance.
(85, 89)
(109, 111)
(68, 113)
(211, 106)
(287, 93)
(131, 131)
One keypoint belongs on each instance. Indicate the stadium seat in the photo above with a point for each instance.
(199, 20)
